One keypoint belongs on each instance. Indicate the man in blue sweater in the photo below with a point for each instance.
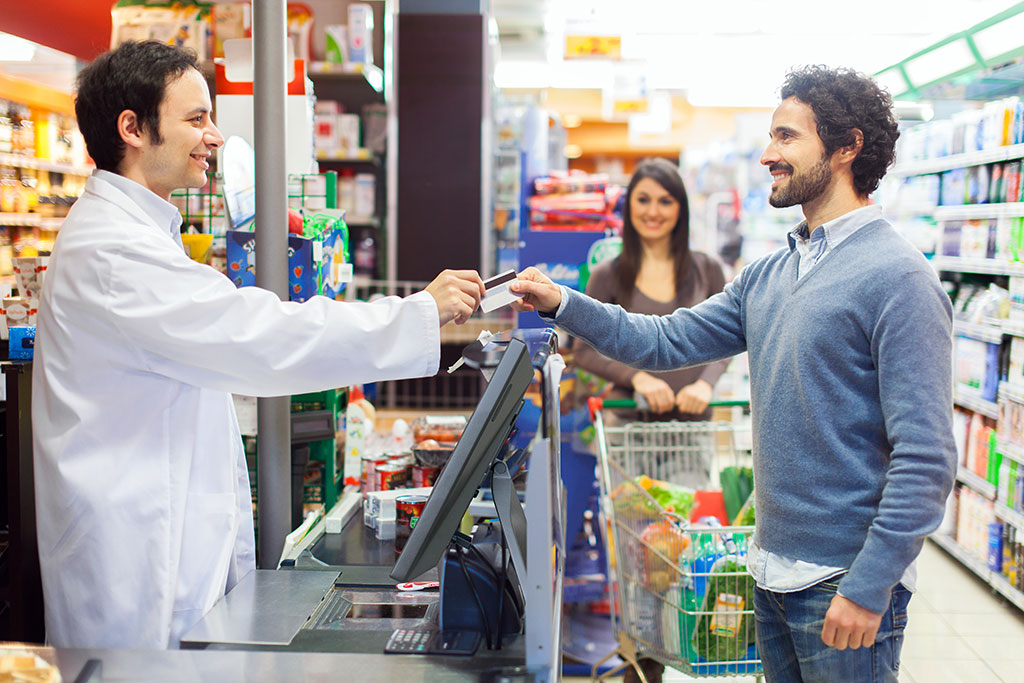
(849, 338)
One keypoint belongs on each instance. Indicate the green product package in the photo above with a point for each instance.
(737, 484)
(725, 627)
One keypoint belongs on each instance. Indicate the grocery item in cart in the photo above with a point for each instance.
(663, 542)
(672, 497)
(725, 628)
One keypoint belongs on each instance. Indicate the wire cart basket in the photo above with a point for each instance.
(682, 592)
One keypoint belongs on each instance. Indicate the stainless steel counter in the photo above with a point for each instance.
(209, 666)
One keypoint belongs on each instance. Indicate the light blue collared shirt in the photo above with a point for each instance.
(162, 211)
(829, 235)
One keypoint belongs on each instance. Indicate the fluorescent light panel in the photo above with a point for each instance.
(940, 62)
(15, 49)
(1001, 38)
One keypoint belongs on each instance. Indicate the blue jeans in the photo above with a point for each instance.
(789, 638)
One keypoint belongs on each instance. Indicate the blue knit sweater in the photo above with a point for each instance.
(851, 396)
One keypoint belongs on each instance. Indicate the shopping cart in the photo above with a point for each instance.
(682, 592)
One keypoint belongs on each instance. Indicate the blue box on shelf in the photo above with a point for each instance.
(22, 342)
(314, 266)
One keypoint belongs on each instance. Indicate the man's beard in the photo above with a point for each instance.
(802, 187)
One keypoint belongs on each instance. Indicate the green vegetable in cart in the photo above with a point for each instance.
(725, 628)
(737, 484)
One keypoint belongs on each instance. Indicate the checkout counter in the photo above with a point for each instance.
(331, 608)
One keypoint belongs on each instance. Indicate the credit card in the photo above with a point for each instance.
(498, 292)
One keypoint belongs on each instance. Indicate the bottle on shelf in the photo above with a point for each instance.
(6, 128)
(347, 191)
(365, 255)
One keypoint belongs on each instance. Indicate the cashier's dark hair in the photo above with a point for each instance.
(843, 99)
(132, 76)
(665, 173)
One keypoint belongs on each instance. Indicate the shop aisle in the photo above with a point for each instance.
(957, 631)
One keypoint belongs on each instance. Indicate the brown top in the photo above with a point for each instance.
(703, 279)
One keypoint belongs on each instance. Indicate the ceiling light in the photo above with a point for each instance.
(941, 62)
(892, 80)
(15, 49)
(999, 40)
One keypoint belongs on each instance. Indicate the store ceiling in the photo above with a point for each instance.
(734, 52)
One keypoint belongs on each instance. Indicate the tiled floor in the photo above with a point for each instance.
(957, 631)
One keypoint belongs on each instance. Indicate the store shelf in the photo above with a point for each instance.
(997, 581)
(1011, 451)
(979, 211)
(987, 266)
(362, 221)
(979, 484)
(1011, 391)
(1015, 329)
(370, 73)
(965, 398)
(342, 156)
(1009, 516)
(18, 161)
(985, 333)
(30, 220)
(948, 163)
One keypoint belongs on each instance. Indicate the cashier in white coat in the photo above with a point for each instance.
(143, 506)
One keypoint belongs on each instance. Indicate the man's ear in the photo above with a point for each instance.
(129, 129)
(848, 153)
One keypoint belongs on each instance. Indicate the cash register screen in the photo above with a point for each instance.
(470, 461)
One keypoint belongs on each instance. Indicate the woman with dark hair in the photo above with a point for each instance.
(656, 273)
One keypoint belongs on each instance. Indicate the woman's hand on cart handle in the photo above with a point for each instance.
(596, 404)
(539, 292)
(656, 392)
(693, 399)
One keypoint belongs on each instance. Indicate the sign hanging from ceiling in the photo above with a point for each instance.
(593, 47)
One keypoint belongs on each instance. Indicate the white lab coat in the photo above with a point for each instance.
(142, 492)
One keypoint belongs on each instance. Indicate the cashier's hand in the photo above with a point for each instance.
(457, 294)
(539, 292)
(693, 399)
(848, 625)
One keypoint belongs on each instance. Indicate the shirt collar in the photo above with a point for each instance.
(837, 229)
(164, 213)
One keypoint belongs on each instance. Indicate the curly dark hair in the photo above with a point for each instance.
(133, 76)
(843, 99)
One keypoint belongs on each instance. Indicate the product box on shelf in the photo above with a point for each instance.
(22, 342)
(977, 366)
(235, 105)
(315, 265)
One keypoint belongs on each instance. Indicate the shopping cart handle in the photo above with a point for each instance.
(595, 404)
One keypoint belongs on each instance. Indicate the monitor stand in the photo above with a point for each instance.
(473, 569)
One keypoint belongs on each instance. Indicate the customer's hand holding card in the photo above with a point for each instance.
(498, 292)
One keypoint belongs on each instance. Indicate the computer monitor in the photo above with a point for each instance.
(481, 441)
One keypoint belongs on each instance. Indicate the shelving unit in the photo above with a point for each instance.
(979, 484)
(965, 398)
(373, 75)
(979, 211)
(996, 581)
(1011, 451)
(19, 161)
(30, 220)
(965, 160)
(1009, 516)
(981, 332)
